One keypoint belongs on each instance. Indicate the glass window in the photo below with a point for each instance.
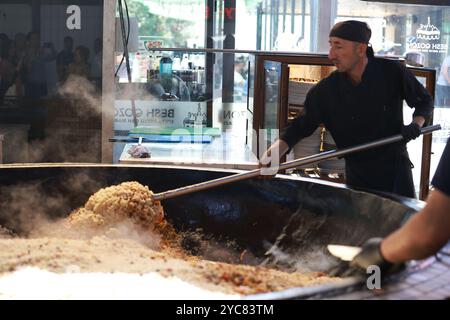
(184, 90)
(50, 80)
(173, 23)
(417, 33)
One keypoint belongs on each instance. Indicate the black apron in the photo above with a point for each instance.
(390, 172)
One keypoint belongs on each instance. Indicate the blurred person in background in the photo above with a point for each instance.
(34, 66)
(20, 48)
(96, 63)
(80, 65)
(7, 68)
(64, 59)
(443, 84)
(240, 82)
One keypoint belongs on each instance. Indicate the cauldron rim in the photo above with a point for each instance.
(414, 204)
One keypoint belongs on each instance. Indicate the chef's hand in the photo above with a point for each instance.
(371, 255)
(270, 160)
(265, 164)
(411, 131)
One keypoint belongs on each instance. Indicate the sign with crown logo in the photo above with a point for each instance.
(428, 32)
(427, 39)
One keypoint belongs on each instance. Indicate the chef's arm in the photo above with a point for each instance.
(423, 235)
(420, 120)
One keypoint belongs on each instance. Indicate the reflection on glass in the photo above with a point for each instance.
(272, 73)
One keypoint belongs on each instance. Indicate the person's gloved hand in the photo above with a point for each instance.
(371, 255)
(265, 164)
(411, 131)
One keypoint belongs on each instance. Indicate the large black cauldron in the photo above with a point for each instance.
(253, 213)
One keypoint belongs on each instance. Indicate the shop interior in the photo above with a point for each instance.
(194, 75)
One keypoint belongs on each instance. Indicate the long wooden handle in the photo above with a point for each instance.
(286, 165)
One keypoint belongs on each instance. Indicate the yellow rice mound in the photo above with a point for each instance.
(128, 201)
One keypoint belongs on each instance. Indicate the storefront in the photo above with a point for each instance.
(210, 50)
(214, 64)
(50, 80)
(149, 87)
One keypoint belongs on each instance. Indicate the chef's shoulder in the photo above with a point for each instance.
(391, 66)
(326, 84)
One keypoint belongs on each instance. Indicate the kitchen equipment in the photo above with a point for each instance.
(287, 165)
(345, 253)
(251, 215)
(139, 151)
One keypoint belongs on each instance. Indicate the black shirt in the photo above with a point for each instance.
(441, 179)
(371, 110)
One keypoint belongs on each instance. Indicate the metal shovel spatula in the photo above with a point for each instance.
(287, 165)
(345, 253)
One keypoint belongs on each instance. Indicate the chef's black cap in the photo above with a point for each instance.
(352, 30)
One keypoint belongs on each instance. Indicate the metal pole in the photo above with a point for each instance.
(276, 22)
(292, 16)
(287, 165)
(127, 59)
(209, 59)
(229, 31)
(259, 26)
(265, 25)
(214, 50)
(303, 20)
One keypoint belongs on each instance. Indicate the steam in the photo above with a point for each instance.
(6, 233)
(82, 89)
(299, 247)
(315, 259)
(72, 132)
(125, 230)
(210, 248)
(25, 207)
(81, 182)
(32, 210)
(130, 231)
(65, 146)
(135, 93)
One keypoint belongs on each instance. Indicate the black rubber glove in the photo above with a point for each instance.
(411, 131)
(371, 255)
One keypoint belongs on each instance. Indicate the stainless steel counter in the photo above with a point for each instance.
(220, 153)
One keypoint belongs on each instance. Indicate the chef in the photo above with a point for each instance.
(362, 101)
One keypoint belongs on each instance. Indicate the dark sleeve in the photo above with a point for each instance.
(441, 179)
(415, 94)
(304, 125)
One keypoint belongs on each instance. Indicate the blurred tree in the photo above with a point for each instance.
(174, 31)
